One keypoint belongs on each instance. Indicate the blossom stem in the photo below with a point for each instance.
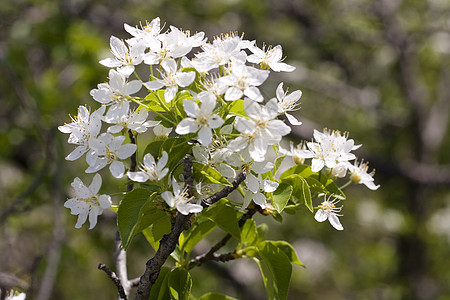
(345, 185)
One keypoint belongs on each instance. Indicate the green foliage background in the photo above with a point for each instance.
(376, 68)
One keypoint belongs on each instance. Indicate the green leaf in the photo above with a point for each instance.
(281, 196)
(155, 232)
(276, 270)
(129, 213)
(288, 250)
(202, 172)
(262, 230)
(300, 189)
(315, 179)
(198, 231)
(237, 108)
(277, 164)
(154, 148)
(180, 283)
(249, 234)
(225, 216)
(159, 289)
(176, 148)
(215, 296)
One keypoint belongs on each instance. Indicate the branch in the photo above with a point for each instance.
(225, 191)
(120, 258)
(210, 255)
(169, 242)
(114, 279)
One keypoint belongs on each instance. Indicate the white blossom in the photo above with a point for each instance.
(272, 58)
(85, 126)
(87, 202)
(150, 170)
(180, 200)
(200, 118)
(161, 132)
(122, 117)
(117, 90)
(108, 150)
(330, 149)
(260, 130)
(360, 175)
(328, 210)
(288, 102)
(147, 34)
(125, 58)
(172, 44)
(171, 79)
(242, 81)
(219, 53)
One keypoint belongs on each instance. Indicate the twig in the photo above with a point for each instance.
(210, 255)
(168, 242)
(225, 191)
(114, 279)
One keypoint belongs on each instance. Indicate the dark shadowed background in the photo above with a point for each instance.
(378, 69)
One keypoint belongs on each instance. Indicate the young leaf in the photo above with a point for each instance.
(300, 189)
(249, 234)
(281, 196)
(225, 216)
(276, 270)
(179, 283)
(155, 232)
(159, 289)
(202, 172)
(288, 250)
(129, 212)
(198, 231)
(215, 296)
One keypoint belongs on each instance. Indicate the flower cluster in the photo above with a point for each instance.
(209, 93)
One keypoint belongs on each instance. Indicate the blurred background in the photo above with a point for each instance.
(378, 69)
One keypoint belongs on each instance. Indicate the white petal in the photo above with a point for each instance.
(205, 136)
(278, 128)
(269, 186)
(226, 171)
(81, 219)
(320, 216)
(170, 93)
(253, 93)
(132, 87)
(76, 153)
(317, 165)
(104, 201)
(110, 62)
(252, 109)
(188, 208)
(168, 197)
(162, 161)
(117, 169)
(292, 119)
(185, 78)
(191, 108)
(208, 103)
(154, 85)
(138, 176)
(260, 199)
(334, 221)
(252, 182)
(245, 126)
(115, 129)
(233, 94)
(163, 173)
(215, 121)
(126, 70)
(93, 215)
(280, 92)
(126, 151)
(96, 184)
(238, 144)
(186, 126)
